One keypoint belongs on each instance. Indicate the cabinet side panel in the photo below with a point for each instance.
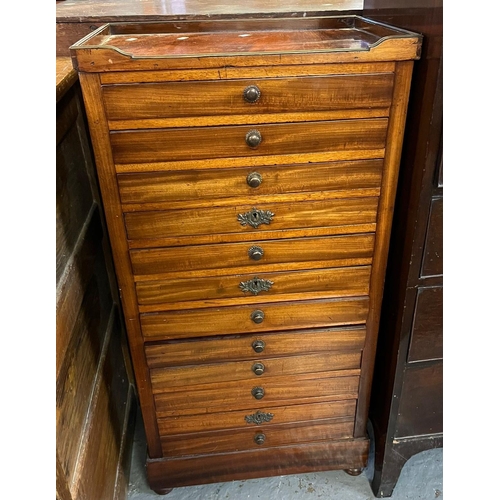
(109, 188)
(384, 221)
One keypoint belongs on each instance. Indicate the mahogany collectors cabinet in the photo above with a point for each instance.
(248, 171)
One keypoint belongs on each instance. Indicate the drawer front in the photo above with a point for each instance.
(244, 319)
(255, 217)
(249, 439)
(196, 185)
(247, 288)
(247, 347)
(239, 395)
(286, 254)
(258, 418)
(280, 95)
(228, 142)
(257, 370)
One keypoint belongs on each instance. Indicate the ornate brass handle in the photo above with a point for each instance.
(256, 217)
(256, 285)
(257, 316)
(256, 253)
(253, 138)
(259, 438)
(258, 345)
(258, 392)
(251, 94)
(254, 179)
(258, 368)
(259, 417)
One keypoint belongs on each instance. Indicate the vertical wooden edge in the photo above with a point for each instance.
(99, 133)
(62, 487)
(395, 134)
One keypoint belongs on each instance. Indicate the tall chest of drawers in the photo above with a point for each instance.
(248, 171)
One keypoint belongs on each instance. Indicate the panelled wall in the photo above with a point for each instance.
(95, 398)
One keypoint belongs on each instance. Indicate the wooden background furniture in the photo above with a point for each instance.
(95, 396)
(77, 19)
(407, 400)
(248, 171)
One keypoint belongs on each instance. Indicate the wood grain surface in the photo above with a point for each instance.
(297, 459)
(280, 95)
(228, 142)
(234, 219)
(233, 258)
(240, 347)
(226, 290)
(237, 395)
(236, 319)
(165, 378)
(236, 419)
(244, 439)
(197, 186)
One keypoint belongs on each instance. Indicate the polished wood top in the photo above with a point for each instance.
(66, 76)
(242, 37)
(133, 10)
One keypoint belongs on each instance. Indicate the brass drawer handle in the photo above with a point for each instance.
(256, 217)
(258, 392)
(258, 345)
(253, 138)
(254, 179)
(259, 417)
(256, 285)
(259, 438)
(257, 316)
(258, 368)
(251, 94)
(256, 252)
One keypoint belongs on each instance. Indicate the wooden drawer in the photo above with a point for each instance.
(242, 347)
(225, 97)
(246, 439)
(256, 217)
(237, 395)
(238, 319)
(193, 186)
(183, 376)
(197, 143)
(249, 288)
(259, 418)
(229, 258)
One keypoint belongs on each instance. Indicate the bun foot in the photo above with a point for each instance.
(353, 472)
(163, 491)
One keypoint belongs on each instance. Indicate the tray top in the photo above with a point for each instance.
(241, 37)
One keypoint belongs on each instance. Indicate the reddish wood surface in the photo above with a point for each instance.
(259, 463)
(236, 319)
(175, 446)
(198, 143)
(182, 249)
(165, 188)
(236, 419)
(183, 99)
(240, 347)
